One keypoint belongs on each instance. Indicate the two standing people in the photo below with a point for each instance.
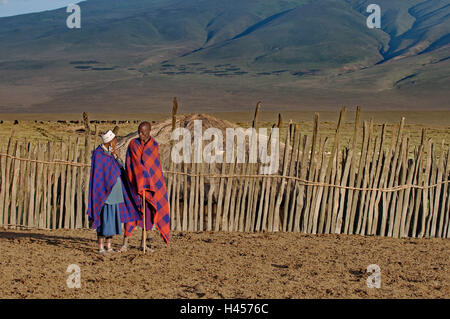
(120, 194)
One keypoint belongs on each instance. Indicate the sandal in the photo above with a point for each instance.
(102, 251)
(148, 249)
(123, 249)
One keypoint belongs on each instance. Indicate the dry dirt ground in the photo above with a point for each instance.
(33, 264)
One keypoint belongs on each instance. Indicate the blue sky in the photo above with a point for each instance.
(15, 7)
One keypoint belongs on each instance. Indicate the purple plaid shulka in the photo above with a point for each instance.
(104, 173)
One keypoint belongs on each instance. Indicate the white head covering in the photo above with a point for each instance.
(108, 137)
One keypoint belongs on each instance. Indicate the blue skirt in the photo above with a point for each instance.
(110, 224)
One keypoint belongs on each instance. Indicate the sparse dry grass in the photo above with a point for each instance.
(44, 127)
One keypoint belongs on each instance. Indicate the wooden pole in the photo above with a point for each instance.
(232, 224)
(419, 180)
(202, 196)
(3, 183)
(444, 213)
(144, 228)
(398, 204)
(268, 182)
(197, 190)
(87, 177)
(446, 234)
(383, 183)
(230, 180)
(212, 186)
(352, 173)
(365, 181)
(373, 208)
(301, 189)
(43, 209)
(23, 183)
(254, 169)
(437, 193)
(338, 193)
(174, 113)
(38, 197)
(407, 202)
(50, 183)
(333, 205)
(68, 183)
(362, 162)
(329, 176)
(315, 220)
(30, 222)
(171, 185)
(394, 177)
(339, 218)
(57, 172)
(73, 185)
(15, 179)
(425, 190)
(62, 197)
(273, 220)
(177, 181)
(238, 221)
(220, 199)
(9, 168)
(311, 175)
(79, 191)
(432, 190)
(192, 181)
(86, 123)
(185, 198)
(283, 182)
(293, 171)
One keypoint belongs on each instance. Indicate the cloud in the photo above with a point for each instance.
(4, 2)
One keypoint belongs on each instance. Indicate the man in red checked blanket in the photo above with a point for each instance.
(144, 171)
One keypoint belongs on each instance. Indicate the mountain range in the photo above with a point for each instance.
(135, 55)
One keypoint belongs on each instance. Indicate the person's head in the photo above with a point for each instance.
(109, 139)
(144, 131)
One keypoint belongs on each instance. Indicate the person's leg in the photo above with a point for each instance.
(128, 231)
(101, 241)
(129, 228)
(100, 232)
(150, 214)
(108, 243)
(124, 244)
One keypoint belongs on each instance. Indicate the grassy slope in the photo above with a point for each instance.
(319, 35)
(323, 53)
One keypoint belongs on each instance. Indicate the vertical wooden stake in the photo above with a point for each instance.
(144, 228)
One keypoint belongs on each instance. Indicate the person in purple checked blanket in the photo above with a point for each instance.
(111, 201)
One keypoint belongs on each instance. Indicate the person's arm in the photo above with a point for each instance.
(134, 168)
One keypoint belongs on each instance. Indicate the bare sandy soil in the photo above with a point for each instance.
(33, 264)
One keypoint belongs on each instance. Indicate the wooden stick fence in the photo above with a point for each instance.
(379, 191)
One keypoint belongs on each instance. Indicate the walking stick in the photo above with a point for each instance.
(144, 231)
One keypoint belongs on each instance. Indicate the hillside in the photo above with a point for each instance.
(216, 55)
